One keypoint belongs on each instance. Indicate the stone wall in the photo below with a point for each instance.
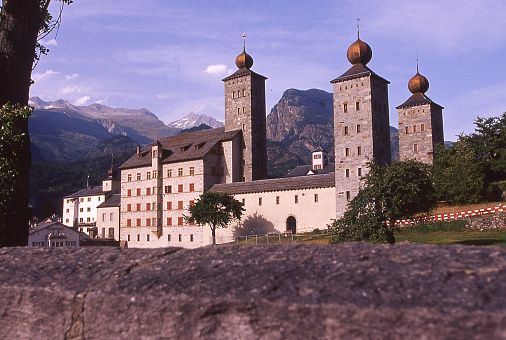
(350, 291)
(493, 221)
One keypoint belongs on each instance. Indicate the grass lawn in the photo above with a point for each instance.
(467, 237)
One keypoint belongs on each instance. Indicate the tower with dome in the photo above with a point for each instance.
(420, 122)
(361, 123)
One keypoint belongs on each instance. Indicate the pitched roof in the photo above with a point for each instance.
(417, 99)
(90, 191)
(241, 72)
(183, 147)
(302, 170)
(276, 184)
(113, 201)
(357, 71)
(45, 225)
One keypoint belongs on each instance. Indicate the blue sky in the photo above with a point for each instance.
(170, 56)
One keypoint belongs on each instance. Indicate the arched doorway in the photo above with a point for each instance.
(291, 224)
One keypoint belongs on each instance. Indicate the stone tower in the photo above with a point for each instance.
(245, 110)
(420, 122)
(361, 123)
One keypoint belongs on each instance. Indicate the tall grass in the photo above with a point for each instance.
(428, 227)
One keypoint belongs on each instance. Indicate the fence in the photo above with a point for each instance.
(451, 216)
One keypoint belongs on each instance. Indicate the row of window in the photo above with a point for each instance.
(347, 172)
(154, 222)
(169, 237)
(347, 152)
(415, 128)
(351, 86)
(88, 199)
(111, 216)
(158, 173)
(238, 94)
(346, 129)
(167, 189)
(55, 244)
(154, 206)
(111, 233)
(345, 107)
(278, 200)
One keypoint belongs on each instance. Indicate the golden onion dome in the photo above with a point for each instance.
(418, 84)
(359, 53)
(244, 60)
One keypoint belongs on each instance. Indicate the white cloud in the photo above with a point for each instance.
(49, 42)
(82, 100)
(72, 76)
(217, 70)
(165, 95)
(41, 76)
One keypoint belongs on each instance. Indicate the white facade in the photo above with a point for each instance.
(54, 234)
(108, 218)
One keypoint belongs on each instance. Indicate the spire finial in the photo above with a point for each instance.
(417, 63)
(358, 28)
(244, 42)
(112, 160)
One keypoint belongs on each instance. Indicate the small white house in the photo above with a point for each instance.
(54, 234)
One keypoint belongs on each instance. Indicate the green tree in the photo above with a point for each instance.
(397, 191)
(458, 174)
(215, 209)
(22, 23)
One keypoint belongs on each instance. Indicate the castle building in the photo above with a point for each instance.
(361, 123)
(420, 122)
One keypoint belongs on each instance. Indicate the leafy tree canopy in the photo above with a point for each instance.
(397, 191)
(215, 209)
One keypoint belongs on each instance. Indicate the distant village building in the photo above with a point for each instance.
(80, 208)
(420, 122)
(54, 234)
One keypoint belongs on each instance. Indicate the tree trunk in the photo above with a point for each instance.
(20, 21)
(213, 231)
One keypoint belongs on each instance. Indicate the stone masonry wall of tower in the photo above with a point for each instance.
(245, 110)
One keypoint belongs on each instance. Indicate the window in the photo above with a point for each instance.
(317, 156)
(243, 93)
(358, 128)
(168, 237)
(414, 128)
(81, 220)
(243, 109)
(180, 172)
(238, 110)
(415, 147)
(88, 220)
(103, 217)
(277, 199)
(316, 198)
(348, 195)
(138, 237)
(111, 216)
(345, 108)
(89, 199)
(129, 224)
(192, 186)
(233, 95)
(179, 188)
(148, 175)
(296, 199)
(169, 222)
(260, 201)
(347, 151)
(180, 221)
(138, 222)
(168, 189)
(138, 176)
(359, 172)
(407, 129)
(148, 222)
(359, 150)
(88, 209)
(180, 238)
(148, 206)
(129, 207)
(357, 106)
(128, 238)
(154, 190)
(244, 127)
(81, 209)
(138, 206)
(191, 203)
(347, 173)
(169, 205)
(138, 191)
(129, 177)
(180, 204)
(192, 170)
(345, 130)
(154, 222)
(213, 170)
(422, 127)
(169, 173)
(243, 201)
(191, 237)
(154, 173)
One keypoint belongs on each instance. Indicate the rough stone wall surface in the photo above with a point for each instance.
(495, 221)
(421, 125)
(350, 291)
